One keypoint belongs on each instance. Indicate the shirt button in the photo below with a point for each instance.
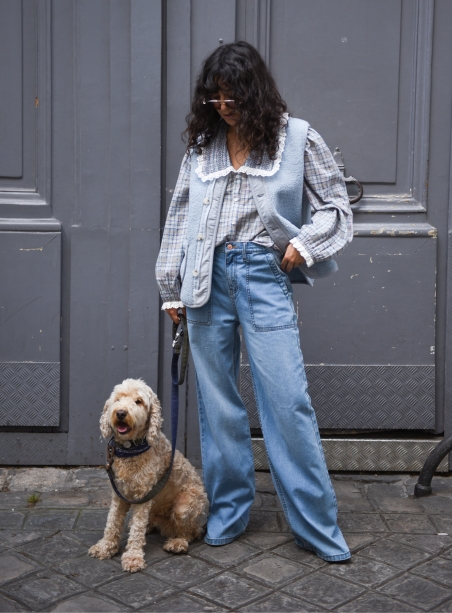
(206, 201)
(195, 273)
(230, 247)
(200, 237)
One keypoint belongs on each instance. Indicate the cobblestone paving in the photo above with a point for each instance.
(402, 552)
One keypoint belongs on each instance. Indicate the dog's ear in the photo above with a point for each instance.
(155, 416)
(105, 426)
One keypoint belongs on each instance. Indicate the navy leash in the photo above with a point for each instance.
(180, 344)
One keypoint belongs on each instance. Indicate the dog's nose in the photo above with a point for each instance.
(121, 415)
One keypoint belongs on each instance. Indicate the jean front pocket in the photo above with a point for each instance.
(201, 316)
(269, 294)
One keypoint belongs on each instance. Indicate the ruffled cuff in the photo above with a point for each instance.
(175, 304)
(296, 242)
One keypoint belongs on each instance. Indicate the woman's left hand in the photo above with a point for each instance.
(291, 259)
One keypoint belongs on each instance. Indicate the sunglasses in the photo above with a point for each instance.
(230, 104)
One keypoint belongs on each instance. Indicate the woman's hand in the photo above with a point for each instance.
(291, 259)
(173, 314)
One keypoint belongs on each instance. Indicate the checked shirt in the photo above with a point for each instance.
(331, 228)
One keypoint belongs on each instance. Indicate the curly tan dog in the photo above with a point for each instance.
(179, 511)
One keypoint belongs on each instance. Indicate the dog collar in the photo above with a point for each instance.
(129, 449)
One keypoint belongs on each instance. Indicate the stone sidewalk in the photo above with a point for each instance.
(402, 552)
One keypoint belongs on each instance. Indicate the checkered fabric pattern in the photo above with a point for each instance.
(239, 219)
(324, 187)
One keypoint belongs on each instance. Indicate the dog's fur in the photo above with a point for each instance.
(179, 511)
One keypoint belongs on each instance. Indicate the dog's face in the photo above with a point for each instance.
(131, 412)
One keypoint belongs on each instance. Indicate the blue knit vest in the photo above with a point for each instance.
(280, 204)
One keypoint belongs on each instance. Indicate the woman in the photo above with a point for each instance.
(239, 221)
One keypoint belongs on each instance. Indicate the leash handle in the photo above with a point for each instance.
(181, 343)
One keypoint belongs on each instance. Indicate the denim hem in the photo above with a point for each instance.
(224, 541)
(336, 558)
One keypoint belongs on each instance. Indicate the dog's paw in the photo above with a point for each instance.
(132, 561)
(177, 545)
(103, 550)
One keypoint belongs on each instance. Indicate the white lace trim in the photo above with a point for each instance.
(176, 304)
(296, 242)
(248, 170)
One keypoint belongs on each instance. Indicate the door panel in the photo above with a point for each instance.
(379, 308)
(337, 65)
(25, 113)
(30, 278)
(359, 73)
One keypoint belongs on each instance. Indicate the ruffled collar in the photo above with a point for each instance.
(214, 161)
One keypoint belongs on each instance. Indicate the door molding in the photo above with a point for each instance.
(32, 200)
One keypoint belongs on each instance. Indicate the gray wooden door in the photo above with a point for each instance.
(90, 148)
(359, 72)
(363, 75)
(80, 208)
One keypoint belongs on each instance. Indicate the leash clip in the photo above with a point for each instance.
(178, 340)
(110, 456)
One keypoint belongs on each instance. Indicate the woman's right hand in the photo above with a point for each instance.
(174, 315)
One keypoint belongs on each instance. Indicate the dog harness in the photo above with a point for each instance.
(128, 449)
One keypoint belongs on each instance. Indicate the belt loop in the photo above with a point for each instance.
(244, 251)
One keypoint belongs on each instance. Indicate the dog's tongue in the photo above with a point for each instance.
(122, 429)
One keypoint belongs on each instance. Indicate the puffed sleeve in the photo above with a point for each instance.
(171, 250)
(324, 187)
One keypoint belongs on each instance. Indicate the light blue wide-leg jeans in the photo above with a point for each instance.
(249, 289)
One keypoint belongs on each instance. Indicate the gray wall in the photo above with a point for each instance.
(89, 154)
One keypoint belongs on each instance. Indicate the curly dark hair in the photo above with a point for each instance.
(237, 69)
